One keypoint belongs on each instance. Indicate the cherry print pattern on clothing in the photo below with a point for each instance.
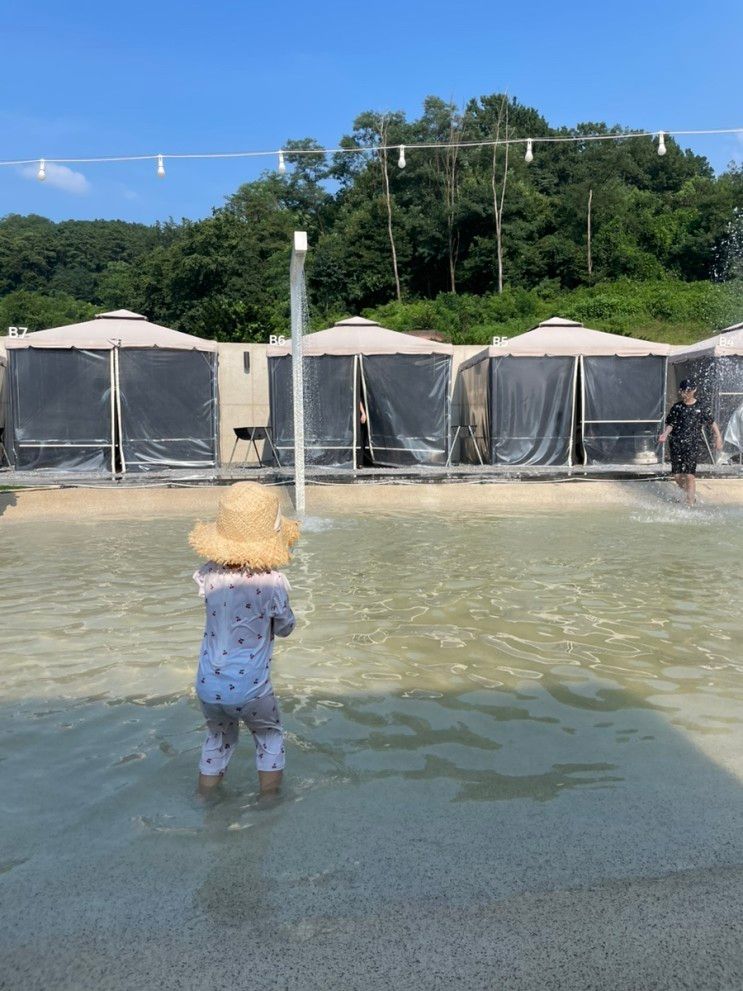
(222, 735)
(240, 614)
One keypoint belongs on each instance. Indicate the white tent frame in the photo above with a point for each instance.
(571, 442)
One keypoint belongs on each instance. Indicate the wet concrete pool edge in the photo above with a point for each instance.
(501, 498)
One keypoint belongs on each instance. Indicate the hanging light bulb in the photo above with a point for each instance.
(41, 174)
(661, 143)
(282, 163)
(160, 167)
(401, 163)
(529, 156)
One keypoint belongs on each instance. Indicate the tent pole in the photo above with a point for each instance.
(449, 401)
(583, 408)
(214, 366)
(490, 398)
(355, 407)
(663, 408)
(112, 378)
(118, 407)
(572, 414)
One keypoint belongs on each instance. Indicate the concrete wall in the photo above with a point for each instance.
(461, 353)
(243, 396)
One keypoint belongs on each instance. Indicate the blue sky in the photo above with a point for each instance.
(84, 79)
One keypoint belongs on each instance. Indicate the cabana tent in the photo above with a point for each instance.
(563, 389)
(403, 382)
(717, 365)
(115, 393)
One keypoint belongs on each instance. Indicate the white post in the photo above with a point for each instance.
(298, 303)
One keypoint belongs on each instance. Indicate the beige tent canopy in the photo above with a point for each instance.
(118, 328)
(116, 393)
(527, 396)
(727, 342)
(401, 382)
(356, 335)
(558, 336)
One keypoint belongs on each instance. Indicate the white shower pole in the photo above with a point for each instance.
(298, 303)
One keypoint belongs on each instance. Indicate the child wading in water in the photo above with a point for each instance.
(684, 427)
(247, 604)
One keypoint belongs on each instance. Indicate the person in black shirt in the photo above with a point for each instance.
(684, 424)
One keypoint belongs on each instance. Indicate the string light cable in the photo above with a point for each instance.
(281, 154)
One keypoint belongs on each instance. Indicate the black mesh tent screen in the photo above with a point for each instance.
(531, 410)
(168, 408)
(3, 407)
(407, 400)
(623, 408)
(329, 391)
(719, 380)
(59, 409)
(729, 413)
(521, 408)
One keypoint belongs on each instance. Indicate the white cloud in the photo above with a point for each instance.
(60, 177)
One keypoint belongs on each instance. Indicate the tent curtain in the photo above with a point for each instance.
(3, 395)
(407, 402)
(408, 407)
(329, 382)
(63, 402)
(168, 408)
(59, 414)
(729, 411)
(521, 408)
(531, 415)
(474, 383)
(623, 406)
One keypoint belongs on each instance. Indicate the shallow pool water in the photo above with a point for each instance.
(476, 707)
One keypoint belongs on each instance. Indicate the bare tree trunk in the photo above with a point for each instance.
(588, 230)
(388, 199)
(451, 192)
(499, 195)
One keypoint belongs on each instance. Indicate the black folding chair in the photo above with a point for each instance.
(463, 430)
(252, 435)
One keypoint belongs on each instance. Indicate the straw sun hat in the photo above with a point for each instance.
(250, 531)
